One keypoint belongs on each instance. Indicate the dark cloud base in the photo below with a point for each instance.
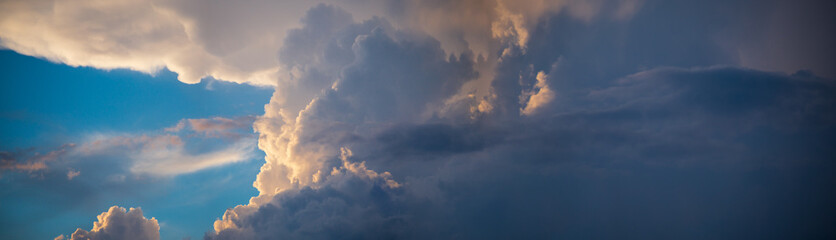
(713, 153)
(666, 153)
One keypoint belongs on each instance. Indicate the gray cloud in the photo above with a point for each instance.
(30, 160)
(652, 122)
(327, 211)
(687, 149)
(393, 76)
(625, 145)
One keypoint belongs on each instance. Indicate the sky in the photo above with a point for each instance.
(411, 119)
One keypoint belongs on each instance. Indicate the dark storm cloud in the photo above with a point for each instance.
(638, 163)
(637, 143)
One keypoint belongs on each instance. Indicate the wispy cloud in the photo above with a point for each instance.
(30, 160)
(215, 127)
(192, 145)
(170, 160)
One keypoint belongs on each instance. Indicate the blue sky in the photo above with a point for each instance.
(46, 105)
(413, 119)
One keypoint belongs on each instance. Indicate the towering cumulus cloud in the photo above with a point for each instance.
(497, 119)
(563, 136)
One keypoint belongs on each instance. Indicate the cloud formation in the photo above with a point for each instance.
(177, 151)
(558, 125)
(699, 129)
(238, 42)
(30, 160)
(487, 119)
(537, 97)
(118, 223)
(327, 210)
(216, 40)
(167, 156)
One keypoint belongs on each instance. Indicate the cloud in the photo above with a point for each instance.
(170, 154)
(219, 124)
(72, 174)
(144, 151)
(153, 153)
(607, 145)
(486, 119)
(329, 210)
(698, 129)
(118, 223)
(215, 40)
(171, 159)
(539, 96)
(235, 42)
(31, 161)
(215, 127)
(417, 76)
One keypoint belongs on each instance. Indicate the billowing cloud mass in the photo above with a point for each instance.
(118, 223)
(144, 36)
(560, 119)
(491, 119)
(234, 41)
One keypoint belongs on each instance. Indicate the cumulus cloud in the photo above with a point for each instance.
(700, 127)
(537, 97)
(412, 73)
(599, 124)
(118, 223)
(325, 211)
(238, 42)
(487, 119)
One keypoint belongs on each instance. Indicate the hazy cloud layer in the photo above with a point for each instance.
(172, 152)
(30, 160)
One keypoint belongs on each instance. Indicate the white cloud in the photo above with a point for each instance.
(172, 159)
(418, 77)
(169, 154)
(329, 209)
(215, 127)
(118, 223)
(232, 42)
